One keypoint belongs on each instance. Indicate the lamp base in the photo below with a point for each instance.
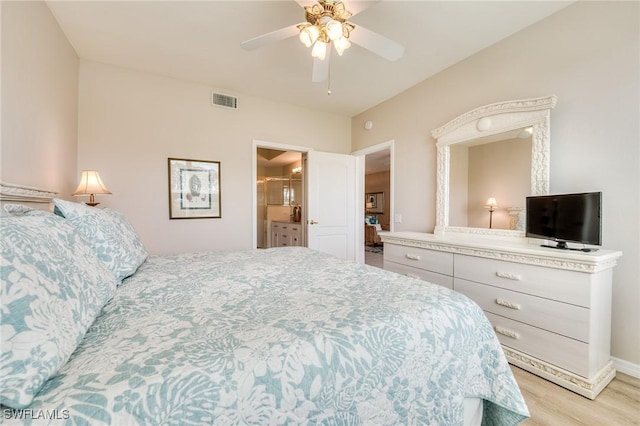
(92, 204)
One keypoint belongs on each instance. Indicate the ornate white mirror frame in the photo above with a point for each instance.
(486, 121)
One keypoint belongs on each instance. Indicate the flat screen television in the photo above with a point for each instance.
(565, 218)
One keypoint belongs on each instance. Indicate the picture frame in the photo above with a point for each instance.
(374, 202)
(194, 189)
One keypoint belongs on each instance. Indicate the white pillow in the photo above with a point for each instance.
(53, 288)
(109, 233)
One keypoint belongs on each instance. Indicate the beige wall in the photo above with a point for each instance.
(459, 186)
(501, 170)
(131, 122)
(586, 54)
(39, 100)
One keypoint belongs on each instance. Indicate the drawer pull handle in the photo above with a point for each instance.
(509, 276)
(410, 275)
(507, 333)
(507, 304)
(412, 256)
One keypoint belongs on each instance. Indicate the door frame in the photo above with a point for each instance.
(360, 170)
(254, 176)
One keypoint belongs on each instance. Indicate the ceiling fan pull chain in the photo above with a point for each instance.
(329, 79)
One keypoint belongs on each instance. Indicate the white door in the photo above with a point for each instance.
(331, 203)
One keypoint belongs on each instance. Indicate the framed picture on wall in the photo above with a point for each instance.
(375, 202)
(194, 189)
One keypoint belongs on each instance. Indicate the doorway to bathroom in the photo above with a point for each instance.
(279, 198)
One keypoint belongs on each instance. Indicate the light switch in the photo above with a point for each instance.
(398, 218)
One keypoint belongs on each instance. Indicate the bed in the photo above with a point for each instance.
(95, 331)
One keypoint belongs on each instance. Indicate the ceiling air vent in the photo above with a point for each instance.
(224, 100)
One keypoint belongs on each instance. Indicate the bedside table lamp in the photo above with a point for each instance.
(91, 184)
(491, 205)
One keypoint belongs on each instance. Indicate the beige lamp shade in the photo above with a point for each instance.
(491, 203)
(91, 184)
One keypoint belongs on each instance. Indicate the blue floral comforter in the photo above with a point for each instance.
(282, 336)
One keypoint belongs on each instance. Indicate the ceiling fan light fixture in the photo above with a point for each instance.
(333, 29)
(319, 50)
(326, 23)
(309, 34)
(341, 45)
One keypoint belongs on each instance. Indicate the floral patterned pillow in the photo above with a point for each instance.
(52, 289)
(109, 233)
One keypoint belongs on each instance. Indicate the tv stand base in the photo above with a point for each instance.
(563, 246)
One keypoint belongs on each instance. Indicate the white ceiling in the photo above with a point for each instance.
(199, 41)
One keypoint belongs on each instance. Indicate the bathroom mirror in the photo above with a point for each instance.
(489, 160)
(284, 191)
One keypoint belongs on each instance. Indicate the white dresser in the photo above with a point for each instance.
(551, 309)
(284, 234)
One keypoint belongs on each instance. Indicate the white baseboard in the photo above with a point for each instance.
(626, 367)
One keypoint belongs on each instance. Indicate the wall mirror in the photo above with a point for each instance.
(284, 191)
(489, 160)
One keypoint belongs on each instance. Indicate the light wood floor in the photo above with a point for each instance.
(550, 404)
(373, 259)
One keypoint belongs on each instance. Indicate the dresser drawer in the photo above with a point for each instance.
(410, 271)
(570, 354)
(561, 318)
(295, 228)
(558, 284)
(434, 261)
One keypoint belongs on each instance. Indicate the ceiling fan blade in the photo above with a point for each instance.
(306, 3)
(272, 37)
(321, 69)
(376, 43)
(356, 7)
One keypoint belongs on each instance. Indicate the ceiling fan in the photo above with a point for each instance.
(326, 25)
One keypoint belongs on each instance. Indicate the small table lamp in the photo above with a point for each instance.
(91, 184)
(491, 205)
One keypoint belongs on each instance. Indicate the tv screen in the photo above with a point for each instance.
(565, 218)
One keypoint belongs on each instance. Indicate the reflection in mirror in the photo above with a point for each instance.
(498, 151)
(497, 167)
(284, 191)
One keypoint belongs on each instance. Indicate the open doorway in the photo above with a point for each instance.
(377, 189)
(279, 198)
(378, 200)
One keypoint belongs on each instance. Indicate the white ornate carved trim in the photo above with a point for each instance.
(540, 158)
(25, 194)
(442, 193)
(485, 231)
(523, 105)
(548, 261)
(588, 387)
